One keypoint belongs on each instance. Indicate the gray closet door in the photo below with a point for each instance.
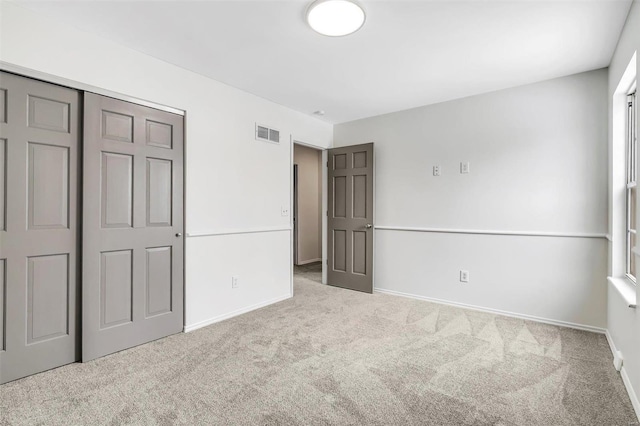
(350, 224)
(39, 134)
(132, 289)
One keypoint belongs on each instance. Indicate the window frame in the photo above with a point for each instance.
(631, 177)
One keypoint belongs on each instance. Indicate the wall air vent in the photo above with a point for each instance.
(264, 133)
(274, 136)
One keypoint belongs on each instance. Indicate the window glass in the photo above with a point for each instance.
(632, 142)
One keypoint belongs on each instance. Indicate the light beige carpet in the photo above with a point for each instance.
(332, 356)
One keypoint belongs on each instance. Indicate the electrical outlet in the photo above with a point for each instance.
(234, 282)
(284, 210)
(436, 170)
(464, 276)
(465, 167)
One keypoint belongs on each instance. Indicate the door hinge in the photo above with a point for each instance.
(327, 164)
(327, 212)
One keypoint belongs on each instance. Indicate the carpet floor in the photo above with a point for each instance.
(333, 356)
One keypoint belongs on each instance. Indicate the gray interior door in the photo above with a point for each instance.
(132, 290)
(350, 224)
(39, 134)
(295, 214)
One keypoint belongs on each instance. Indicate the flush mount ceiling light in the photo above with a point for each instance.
(335, 17)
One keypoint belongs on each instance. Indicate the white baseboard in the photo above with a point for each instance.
(305, 262)
(625, 378)
(632, 393)
(235, 313)
(495, 311)
(617, 355)
(612, 345)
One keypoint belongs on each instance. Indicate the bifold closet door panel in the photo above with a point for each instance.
(132, 225)
(39, 207)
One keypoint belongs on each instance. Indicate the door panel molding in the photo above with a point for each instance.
(116, 288)
(159, 192)
(48, 114)
(116, 190)
(47, 301)
(159, 283)
(48, 186)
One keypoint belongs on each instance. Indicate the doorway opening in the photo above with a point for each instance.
(307, 204)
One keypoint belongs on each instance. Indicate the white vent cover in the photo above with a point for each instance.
(264, 133)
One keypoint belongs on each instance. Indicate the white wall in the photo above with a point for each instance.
(233, 182)
(538, 164)
(309, 224)
(623, 323)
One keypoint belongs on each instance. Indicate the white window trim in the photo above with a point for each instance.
(631, 142)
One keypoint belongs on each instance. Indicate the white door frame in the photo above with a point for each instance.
(324, 204)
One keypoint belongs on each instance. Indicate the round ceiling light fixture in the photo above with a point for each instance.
(335, 18)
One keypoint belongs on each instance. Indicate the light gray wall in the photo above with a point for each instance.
(623, 323)
(309, 163)
(538, 164)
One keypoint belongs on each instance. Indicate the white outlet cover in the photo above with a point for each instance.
(465, 167)
(464, 276)
(234, 282)
(436, 170)
(284, 210)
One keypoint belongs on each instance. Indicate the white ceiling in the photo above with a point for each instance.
(408, 54)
